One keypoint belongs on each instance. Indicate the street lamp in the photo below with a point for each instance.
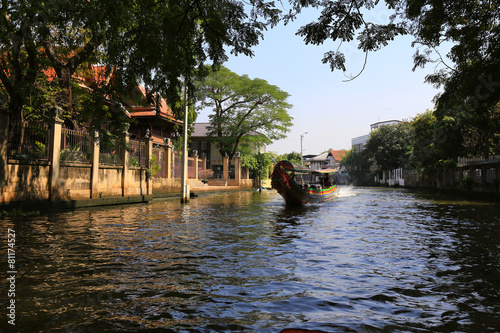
(301, 157)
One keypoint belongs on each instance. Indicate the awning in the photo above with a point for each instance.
(289, 166)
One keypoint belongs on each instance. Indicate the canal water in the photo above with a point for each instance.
(372, 260)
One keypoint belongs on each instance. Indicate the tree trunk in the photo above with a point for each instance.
(4, 140)
(67, 96)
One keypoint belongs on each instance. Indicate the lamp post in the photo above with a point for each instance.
(184, 185)
(301, 157)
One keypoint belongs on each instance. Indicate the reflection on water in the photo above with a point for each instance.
(372, 260)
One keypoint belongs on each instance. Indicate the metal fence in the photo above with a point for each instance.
(159, 154)
(465, 161)
(111, 153)
(137, 156)
(28, 141)
(76, 146)
(176, 165)
(217, 167)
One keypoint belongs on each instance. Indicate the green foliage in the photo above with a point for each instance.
(293, 157)
(441, 140)
(390, 146)
(154, 167)
(470, 26)
(40, 149)
(344, 21)
(259, 163)
(245, 111)
(74, 154)
(18, 212)
(176, 38)
(467, 183)
(132, 162)
(357, 164)
(108, 158)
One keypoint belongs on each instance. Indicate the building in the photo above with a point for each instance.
(359, 143)
(156, 118)
(207, 148)
(327, 160)
(392, 177)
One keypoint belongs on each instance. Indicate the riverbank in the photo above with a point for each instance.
(61, 205)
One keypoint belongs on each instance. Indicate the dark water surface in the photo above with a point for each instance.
(372, 260)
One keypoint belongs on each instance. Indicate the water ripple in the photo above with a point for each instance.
(373, 260)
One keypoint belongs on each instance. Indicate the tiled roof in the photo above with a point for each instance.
(97, 73)
(200, 130)
(150, 110)
(337, 154)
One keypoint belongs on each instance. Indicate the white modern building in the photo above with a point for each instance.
(393, 177)
(359, 142)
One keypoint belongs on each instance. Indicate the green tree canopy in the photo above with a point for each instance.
(243, 109)
(389, 146)
(357, 164)
(156, 43)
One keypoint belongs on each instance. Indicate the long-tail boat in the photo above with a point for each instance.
(299, 185)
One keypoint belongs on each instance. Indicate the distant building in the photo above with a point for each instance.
(207, 148)
(328, 160)
(359, 143)
(205, 145)
(392, 177)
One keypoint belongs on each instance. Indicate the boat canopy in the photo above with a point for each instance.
(289, 166)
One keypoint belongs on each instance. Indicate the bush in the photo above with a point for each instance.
(467, 183)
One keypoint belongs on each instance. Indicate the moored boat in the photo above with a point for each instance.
(300, 185)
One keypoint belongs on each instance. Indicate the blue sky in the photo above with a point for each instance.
(331, 111)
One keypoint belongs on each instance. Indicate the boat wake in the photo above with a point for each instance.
(346, 191)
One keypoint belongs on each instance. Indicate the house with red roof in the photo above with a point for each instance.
(157, 119)
(328, 160)
(155, 116)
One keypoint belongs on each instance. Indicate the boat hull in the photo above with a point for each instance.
(295, 194)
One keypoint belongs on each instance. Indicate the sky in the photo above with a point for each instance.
(331, 111)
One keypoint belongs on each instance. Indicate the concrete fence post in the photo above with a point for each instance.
(225, 168)
(168, 158)
(149, 155)
(125, 153)
(94, 178)
(55, 155)
(237, 169)
(195, 164)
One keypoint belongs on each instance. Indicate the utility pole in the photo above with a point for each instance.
(301, 157)
(185, 187)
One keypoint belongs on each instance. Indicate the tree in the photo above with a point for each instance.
(357, 164)
(425, 152)
(389, 146)
(441, 141)
(343, 21)
(470, 81)
(243, 109)
(293, 157)
(258, 163)
(159, 43)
